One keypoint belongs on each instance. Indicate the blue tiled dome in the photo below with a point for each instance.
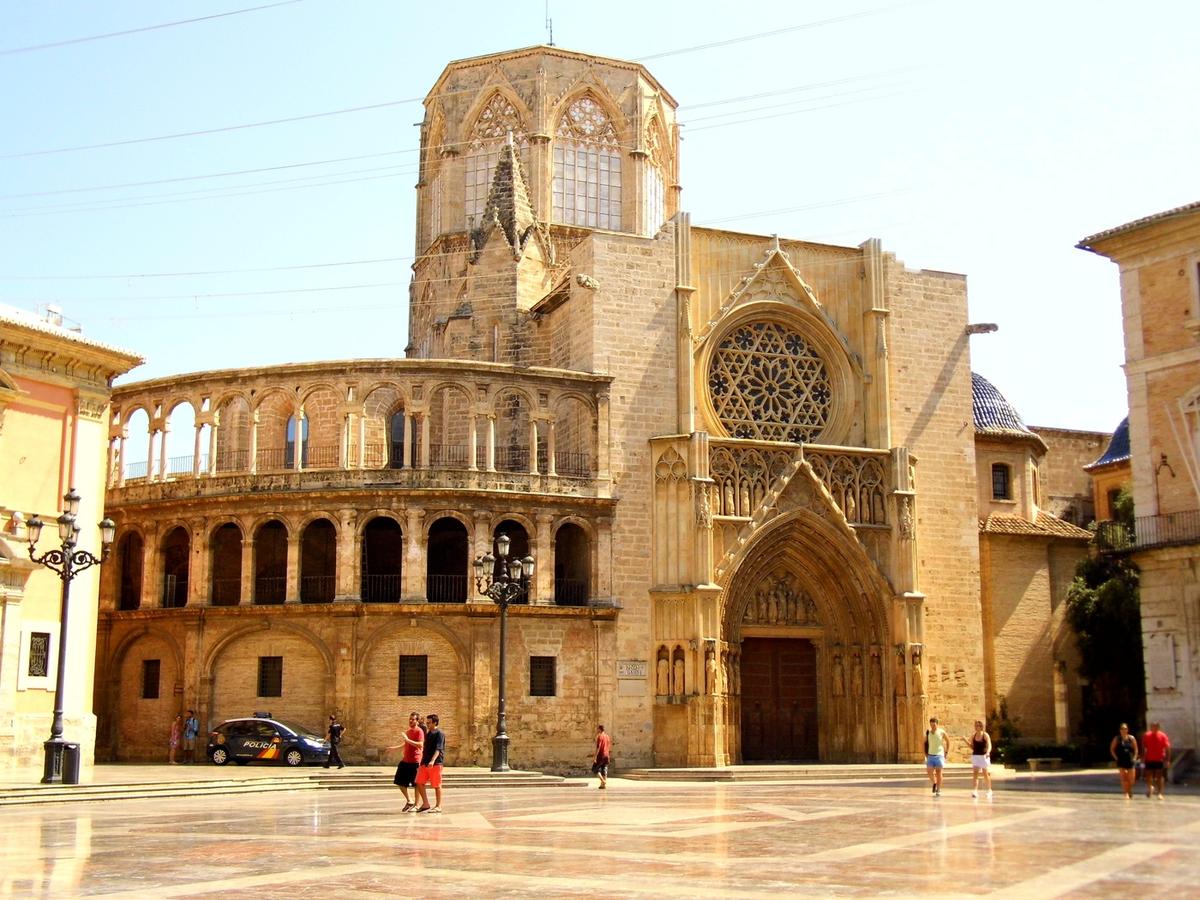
(994, 414)
(1118, 446)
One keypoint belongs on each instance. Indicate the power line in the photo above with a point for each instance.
(112, 34)
(765, 34)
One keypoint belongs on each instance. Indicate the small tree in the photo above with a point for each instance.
(1104, 610)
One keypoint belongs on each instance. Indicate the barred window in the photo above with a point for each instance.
(1001, 482)
(39, 654)
(541, 676)
(150, 674)
(414, 676)
(270, 676)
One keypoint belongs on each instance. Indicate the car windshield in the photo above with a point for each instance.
(299, 729)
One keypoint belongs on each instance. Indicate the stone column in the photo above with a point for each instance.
(292, 593)
(533, 446)
(543, 573)
(481, 543)
(121, 459)
(151, 566)
(252, 461)
(199, 580)
(362, 441)
(347, 557)
(212, 448)
(602, 562)
(299, 443)
(491, 443)
(246, 590)
(473, 462)
(410, 421)
(196, 452)
(551, 449)
(413, 574)
(150, 456)
(603, 449)
(424, 463)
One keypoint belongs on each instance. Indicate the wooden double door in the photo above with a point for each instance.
(779, 700)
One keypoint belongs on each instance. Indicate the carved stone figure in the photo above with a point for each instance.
(710, 672)
(856, 675)
(839, 676)
(677, 683)
(663, 677)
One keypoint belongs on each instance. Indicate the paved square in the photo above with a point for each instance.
(634, 840)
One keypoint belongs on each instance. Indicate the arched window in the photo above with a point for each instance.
(129, 551)
(446, 562)
(653, 179)
(396, 444)
(289, 453)
(176, 550)
(382, 558)
(318, 562)
(496, 121)
(1001, 481)
(518, 548)
(587, 167)
(572, 566)
(270, 563)
(226, 581)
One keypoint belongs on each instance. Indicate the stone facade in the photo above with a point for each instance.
(740, 464)
(54, 390)
(1159, 260)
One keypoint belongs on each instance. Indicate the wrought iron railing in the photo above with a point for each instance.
(1147, 532)
(317, 588)
(570, 591)
(270, 589)
(446, 588)
(226, 591)
(380, 588)
(448, 455)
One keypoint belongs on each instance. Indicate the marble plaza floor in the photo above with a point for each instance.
(1037, 839)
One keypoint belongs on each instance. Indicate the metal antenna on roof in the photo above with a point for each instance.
(549, 25)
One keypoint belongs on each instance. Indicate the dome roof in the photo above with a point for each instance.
(1118, 447)
(993, 414)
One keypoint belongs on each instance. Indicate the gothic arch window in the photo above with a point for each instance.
(654, 178)
(587, 167)
(768, 383)
(495, 122)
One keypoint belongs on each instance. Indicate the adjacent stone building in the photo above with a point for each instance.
(54, 390)
(745, 468)
(1159, 260)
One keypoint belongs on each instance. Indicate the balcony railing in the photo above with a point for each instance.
(446, 588)
(570, 592)
(380, 588)
(1147, 532)
(226, 591)
(270, 589)
(317, 588)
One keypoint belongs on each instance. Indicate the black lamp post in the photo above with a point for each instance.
(67, 562)
(503, 588)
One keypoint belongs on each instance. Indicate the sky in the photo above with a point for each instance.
(976, 138)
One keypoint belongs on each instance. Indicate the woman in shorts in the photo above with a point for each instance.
(981, 760)
(1124, 750)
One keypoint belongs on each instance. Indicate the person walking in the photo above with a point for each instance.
(603, 756)
(336, 732)
(1156, 753)
(1124, 749)
(176, 735)
(937, 745)
(981, 759)
(191, 731)
(429, 773)
(406, 770)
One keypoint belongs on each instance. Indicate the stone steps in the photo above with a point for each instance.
(799, 772)
(343, 780)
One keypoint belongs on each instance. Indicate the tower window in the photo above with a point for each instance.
(587, 168)
(1001, 481)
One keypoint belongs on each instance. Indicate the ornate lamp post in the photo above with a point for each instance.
(503, 588)
(67, 562)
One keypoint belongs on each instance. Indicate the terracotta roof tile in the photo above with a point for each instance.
(1046, 526)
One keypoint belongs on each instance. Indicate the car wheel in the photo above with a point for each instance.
(294, 757)
(220, 756)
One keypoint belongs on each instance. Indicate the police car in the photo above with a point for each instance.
(262, 737)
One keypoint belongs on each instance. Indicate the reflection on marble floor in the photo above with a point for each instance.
(633, 840)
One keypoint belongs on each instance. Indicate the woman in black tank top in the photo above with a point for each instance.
(981, 752)
(1124, 749)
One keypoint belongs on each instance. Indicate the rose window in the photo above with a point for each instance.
(767, 383)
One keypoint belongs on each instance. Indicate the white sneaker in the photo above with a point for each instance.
(975, 795)
(989, 795)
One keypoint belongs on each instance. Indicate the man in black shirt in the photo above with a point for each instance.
(430, 772)
(336, 730)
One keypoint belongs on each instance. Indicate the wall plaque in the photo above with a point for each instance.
(632, 668)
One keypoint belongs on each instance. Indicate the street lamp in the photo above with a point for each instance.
(504, 587)
(67, 562)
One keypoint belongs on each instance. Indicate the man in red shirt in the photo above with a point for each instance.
(406, 771)
(603, 754)
(1156, 753)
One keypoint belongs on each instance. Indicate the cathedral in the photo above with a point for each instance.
(766, 519)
